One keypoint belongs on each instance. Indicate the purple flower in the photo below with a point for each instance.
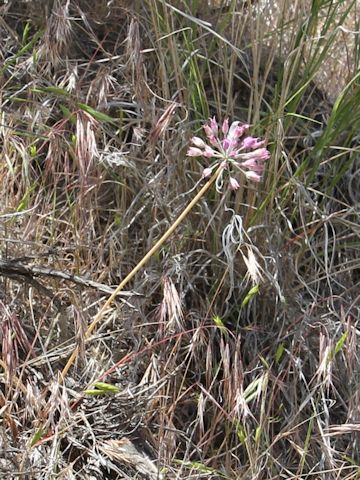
(232, 150)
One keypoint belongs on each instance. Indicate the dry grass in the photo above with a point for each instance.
(234, 352)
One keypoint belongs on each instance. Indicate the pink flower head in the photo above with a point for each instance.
(229, 147)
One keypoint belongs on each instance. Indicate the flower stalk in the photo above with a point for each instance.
(231, 151)
(137, 267)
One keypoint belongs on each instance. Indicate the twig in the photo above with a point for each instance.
(15, 267)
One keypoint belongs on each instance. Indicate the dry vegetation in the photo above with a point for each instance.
(233, 353)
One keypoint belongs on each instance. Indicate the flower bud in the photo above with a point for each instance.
(209, 152)
(198, 142)
(233, 183)
(225, 126)
(194, 152)
(207, 172)
(254, 177)
(214, 127)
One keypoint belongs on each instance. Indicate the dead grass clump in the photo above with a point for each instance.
(233, 354)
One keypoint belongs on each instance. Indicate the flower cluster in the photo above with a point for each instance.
(232, 150)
